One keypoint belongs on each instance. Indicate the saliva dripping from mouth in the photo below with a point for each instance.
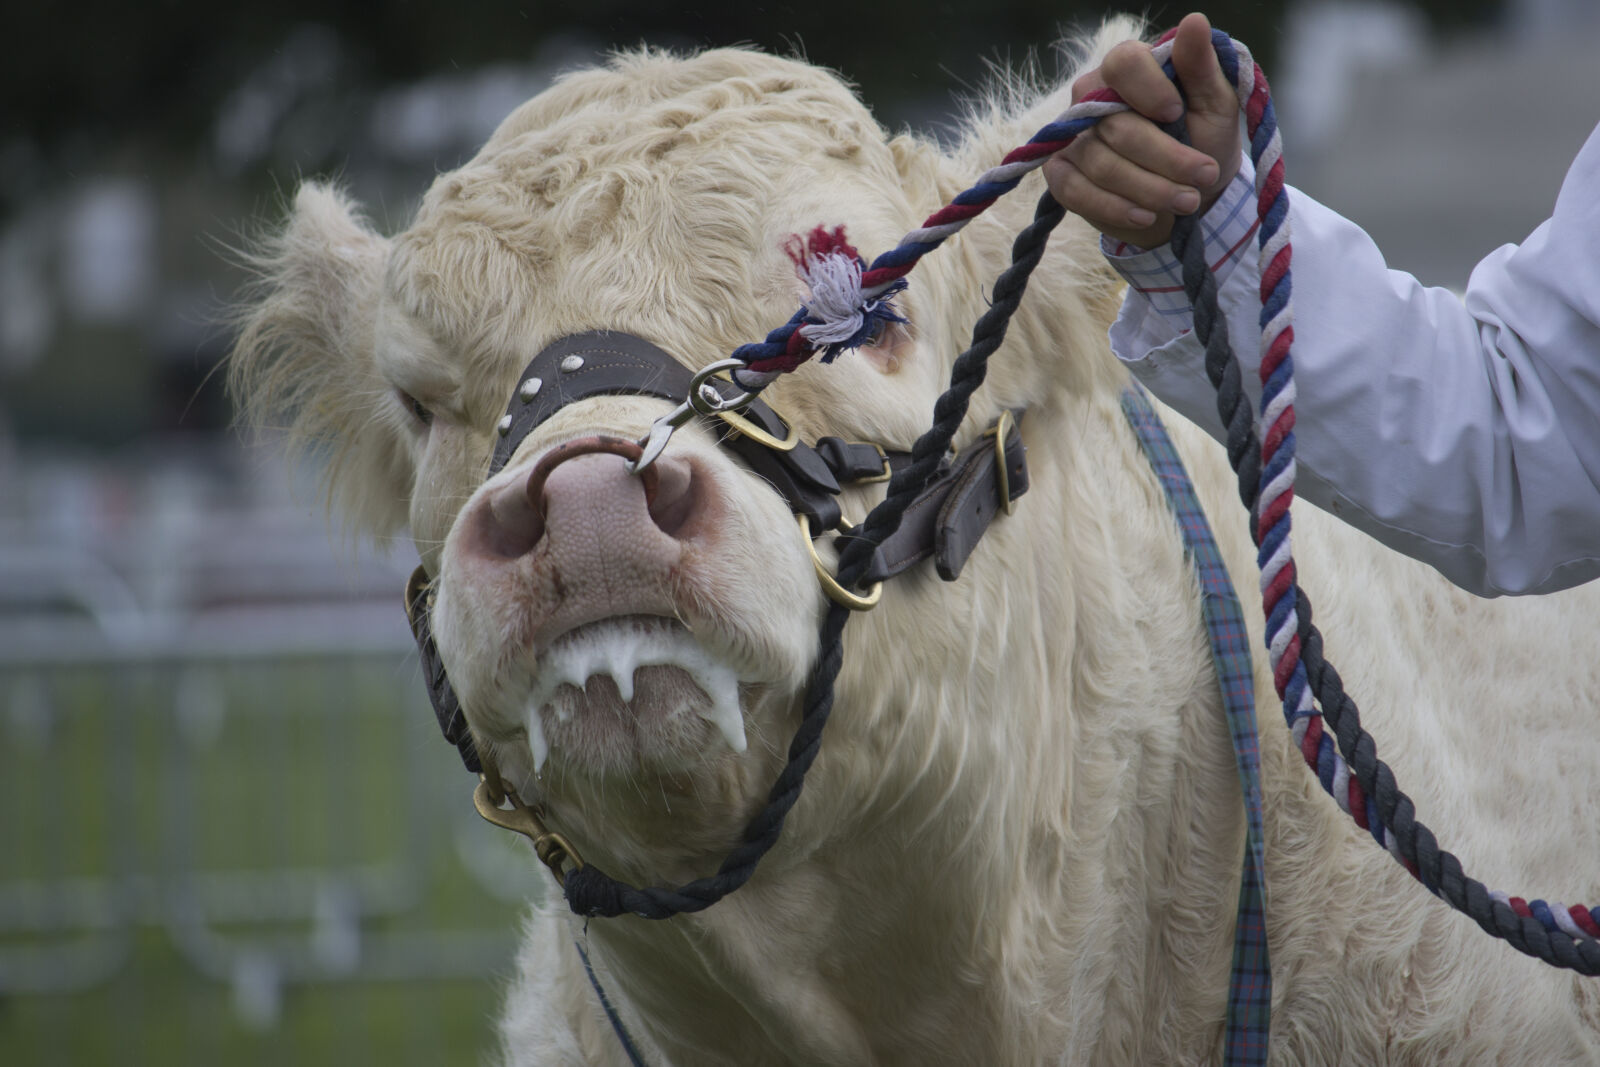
(616, 649)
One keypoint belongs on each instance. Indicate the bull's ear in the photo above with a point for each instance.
(303, 360)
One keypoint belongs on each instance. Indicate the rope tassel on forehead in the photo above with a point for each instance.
(839, 316)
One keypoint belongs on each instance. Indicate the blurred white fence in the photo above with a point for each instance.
(214, 731)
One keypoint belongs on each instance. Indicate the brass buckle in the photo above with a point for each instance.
(830, 585)
(552, 848)
(883, 457)
(999, 431)
(745, 428)
(414, 586)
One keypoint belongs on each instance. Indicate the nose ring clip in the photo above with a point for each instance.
(703, 399)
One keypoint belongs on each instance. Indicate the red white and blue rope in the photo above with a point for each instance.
(867, 291)
(792, 344)
(1274, 557)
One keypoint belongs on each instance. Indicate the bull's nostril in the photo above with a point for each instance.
(571, 492)
(515, 521)
(671, 499)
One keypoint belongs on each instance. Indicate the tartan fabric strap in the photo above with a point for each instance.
(629, 1049)
(1250, 987)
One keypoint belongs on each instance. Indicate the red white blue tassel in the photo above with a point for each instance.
(837, 317)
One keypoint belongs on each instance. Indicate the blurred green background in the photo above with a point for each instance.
(229, 832)
(244, 862)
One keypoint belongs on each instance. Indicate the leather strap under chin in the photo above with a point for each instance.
(945, 522)
(446, 706)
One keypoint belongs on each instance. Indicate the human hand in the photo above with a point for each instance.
(1126, 176)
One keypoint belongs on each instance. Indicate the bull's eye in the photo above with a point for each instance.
(874, 338)
(413, 405)
(886, 333)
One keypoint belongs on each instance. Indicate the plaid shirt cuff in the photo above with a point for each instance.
(1155, 273)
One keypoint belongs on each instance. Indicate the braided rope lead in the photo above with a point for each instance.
(1361, 783)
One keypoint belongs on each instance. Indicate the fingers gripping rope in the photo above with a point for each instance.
(793, 343)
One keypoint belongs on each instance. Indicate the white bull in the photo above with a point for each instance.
(1020, 843)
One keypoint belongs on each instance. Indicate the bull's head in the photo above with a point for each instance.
(630, 650)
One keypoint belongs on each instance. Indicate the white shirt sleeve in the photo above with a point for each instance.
(1464, 432)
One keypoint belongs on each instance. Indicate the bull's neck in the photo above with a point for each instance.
(1024, 767)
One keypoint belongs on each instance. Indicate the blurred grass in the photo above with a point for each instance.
(123, 787)
(158, 1012)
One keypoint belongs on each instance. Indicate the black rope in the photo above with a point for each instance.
(951, 408)
(592, 892)
(1440, 871)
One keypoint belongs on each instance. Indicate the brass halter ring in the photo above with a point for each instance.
(830, 585)
(998, 431)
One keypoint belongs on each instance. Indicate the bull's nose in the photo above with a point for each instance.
(582, 497)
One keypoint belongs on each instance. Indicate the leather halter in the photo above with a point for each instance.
(945, 521)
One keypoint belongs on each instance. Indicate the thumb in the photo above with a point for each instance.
(1194, 59)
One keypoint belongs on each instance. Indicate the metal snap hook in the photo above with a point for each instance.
(703, 399)
(553, 850)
